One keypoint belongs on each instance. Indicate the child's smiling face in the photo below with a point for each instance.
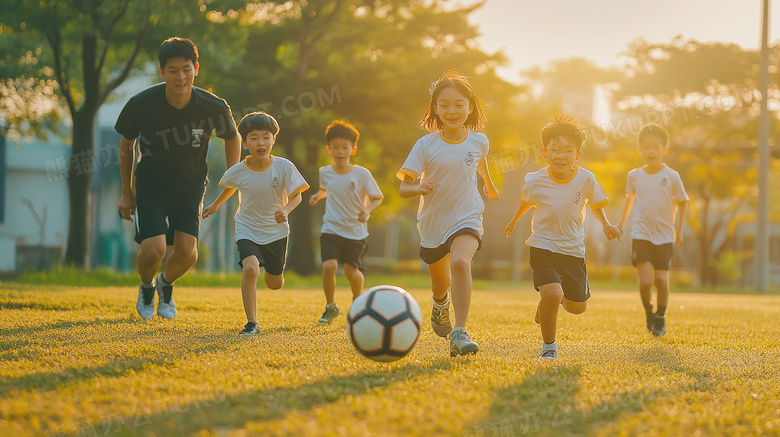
(561, 154)
(453, 108)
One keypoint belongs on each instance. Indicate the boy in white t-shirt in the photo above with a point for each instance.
(560, 192)
(661, 196)
(269, 188)
(352, 193)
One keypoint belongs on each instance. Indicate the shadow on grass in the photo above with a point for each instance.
(232, 405)
(550, 402)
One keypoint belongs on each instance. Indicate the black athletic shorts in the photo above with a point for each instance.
(432, 255)
(659, 255)
(344, 250)
(272, 256)
(569, 271)
(158, 213)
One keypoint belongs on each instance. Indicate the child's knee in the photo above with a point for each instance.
(274, 282)
(330, 267)
(251, 269)
(552, 292)
(460, 264)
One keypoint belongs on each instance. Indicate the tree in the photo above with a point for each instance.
(76, 52)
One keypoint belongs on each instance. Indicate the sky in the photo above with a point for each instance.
(534, 32)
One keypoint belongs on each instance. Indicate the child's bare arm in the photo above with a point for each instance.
(610, 230)
(627, 210)
(366, 211)
(484, 172)
(281, 214)
(223, 196)
(521, 210)
(410, 189)
(678, 234)
(316, 197)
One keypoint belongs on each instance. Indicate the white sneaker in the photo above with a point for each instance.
(166, 310)
(146, 310)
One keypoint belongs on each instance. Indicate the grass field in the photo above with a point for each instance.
(78, 361)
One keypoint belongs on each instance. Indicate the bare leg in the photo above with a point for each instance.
(440, 277)
(661, 280)
(249, 286)
(183, 257)
(150, 255)
(355, 278)
(550, 298)
(274, 282)
(329, 269)
(462, 251)
(574, 307)
(645, 272)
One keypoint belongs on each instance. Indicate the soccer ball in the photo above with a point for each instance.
(384, 323)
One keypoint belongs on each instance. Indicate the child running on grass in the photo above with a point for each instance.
(656, 195)
(269, 188)
(560, 192)
(447, 162)
(352, 193)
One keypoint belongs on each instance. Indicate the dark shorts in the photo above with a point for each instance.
(158, 213)
(430, 256)
(272, 256)
(569, 271)
(344, 250)
(659, 255)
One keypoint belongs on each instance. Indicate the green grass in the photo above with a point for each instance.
(77, 361)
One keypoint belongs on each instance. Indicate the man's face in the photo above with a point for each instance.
(179, 75)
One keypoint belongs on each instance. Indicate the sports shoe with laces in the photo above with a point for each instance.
(166, 307)
(550, 354)
(461, 343)
(250, 329)
(440, 319)
(659, 325)
(331, 312)
(145, 305)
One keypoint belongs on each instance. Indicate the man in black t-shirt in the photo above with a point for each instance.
(172, 122)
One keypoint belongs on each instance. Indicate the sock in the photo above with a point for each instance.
(164, 281)
(661, 311)
(457, 329)
(147, 284)
(444, 300)
(648, 307)
(331, 305)
(550, 346)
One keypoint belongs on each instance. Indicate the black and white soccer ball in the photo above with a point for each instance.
(384, 323)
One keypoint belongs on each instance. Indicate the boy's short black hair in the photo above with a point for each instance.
(565, 125)
(257, 121)
(177, 47)
(342, 129)
(653, 130)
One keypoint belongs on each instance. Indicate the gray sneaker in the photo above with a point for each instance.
(551, 355)
(145, 305)
(440, 319)
(166, 307)
(331, 312)
(659, 325)
(461, 343)
(250, 329)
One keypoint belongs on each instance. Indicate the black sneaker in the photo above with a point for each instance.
(650, 317)
(659, 325)
(250, 329)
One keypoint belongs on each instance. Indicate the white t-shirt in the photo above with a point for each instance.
(348, 193)
(655, 204)
(260, 194)
(455, 202)
(559, 219)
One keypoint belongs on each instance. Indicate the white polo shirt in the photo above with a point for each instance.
(655, 204)
(348, 193)
(559, 219)
(455, 202)
(260, 194)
